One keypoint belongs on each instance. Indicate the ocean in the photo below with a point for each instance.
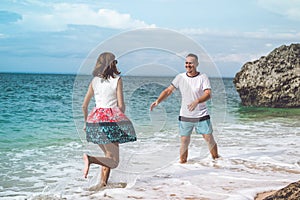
(42, 142)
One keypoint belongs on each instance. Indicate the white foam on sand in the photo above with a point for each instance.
(252, 160)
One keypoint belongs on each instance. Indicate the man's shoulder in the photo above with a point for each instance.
(182, 74)
(202, 76)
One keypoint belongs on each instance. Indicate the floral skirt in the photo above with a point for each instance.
(109, 125)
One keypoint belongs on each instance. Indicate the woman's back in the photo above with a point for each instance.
(105, 91)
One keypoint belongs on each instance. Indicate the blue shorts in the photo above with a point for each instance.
(201, 127)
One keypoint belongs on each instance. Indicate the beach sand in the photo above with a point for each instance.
(291, 191)
(262, 195)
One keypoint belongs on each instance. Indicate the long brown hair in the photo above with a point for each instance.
(106, 66)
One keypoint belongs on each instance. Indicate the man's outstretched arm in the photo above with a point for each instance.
(163, 95)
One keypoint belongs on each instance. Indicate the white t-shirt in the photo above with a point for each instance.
(105, 91)
(191, 88)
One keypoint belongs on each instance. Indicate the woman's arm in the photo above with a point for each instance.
(86, 101)
(120, 97)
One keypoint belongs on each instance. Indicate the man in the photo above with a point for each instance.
(195, 91)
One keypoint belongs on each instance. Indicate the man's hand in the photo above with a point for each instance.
(203, 98)
(193, 105)
(154, 104)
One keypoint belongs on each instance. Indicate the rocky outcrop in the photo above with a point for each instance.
(273, 80)
(290, 192)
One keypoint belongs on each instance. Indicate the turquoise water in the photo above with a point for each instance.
(36, 110)
(41, 137)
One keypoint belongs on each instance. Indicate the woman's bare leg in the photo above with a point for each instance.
(110, 161)
(105, 172)
(86, 165)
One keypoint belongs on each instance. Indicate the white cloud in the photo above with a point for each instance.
(266, 34)
(288, 8)
(236, 57)
(59, 16)
(259, 34)
(269, 45)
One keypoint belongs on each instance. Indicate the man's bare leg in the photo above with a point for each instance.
(185, 141)
(214, 151)
(212, 145)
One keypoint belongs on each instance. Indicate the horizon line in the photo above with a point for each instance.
(75, 74)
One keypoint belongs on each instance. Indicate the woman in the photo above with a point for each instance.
(106, 125)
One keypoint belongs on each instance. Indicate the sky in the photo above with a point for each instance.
(50, 36)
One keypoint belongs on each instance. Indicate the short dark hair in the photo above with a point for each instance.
(193, 55)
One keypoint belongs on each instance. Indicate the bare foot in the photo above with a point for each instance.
(103, 184)
(97, 187)
(182, 161)
(86, 165)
